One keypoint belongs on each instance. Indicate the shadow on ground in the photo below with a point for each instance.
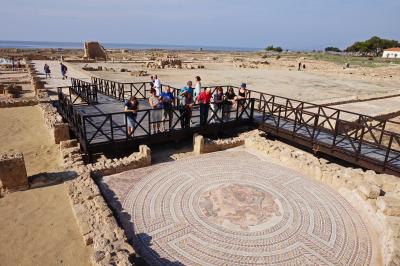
(141, 242)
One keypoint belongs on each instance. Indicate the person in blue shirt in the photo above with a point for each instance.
(167, 105)
(188, 88)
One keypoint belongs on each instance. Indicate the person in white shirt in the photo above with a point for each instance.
(157, 85)
(197, 87)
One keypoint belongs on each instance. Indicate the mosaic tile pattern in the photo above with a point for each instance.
(232, 208)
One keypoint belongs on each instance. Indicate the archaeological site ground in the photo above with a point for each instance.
(304, 171)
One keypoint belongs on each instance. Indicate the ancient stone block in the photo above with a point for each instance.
(61, 132)
(145, 152)
(93, 50)
(370, 190)
(68, 144)
(389, 204)
(13, 172)
(198, 144)
(390, 183)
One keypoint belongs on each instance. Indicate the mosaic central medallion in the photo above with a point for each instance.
(240, 207)
(210, 211)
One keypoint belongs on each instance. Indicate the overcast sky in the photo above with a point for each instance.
(306, 24)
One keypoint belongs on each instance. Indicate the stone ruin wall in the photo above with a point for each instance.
(13, 176)
(12, 92)
(171, 63)
(204, 145)
(53, 120)
(376, 196)
(96, 222)
(94, 50)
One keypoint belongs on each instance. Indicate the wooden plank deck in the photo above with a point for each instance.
(345, 146)
(325, 129)
(114, 128)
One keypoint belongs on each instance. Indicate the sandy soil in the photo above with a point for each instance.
(37, 227)
(23, 129)
(315, 86)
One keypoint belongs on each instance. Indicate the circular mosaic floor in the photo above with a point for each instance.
(233, 208)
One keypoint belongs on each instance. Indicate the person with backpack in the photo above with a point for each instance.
(64, 70)
(47, 71)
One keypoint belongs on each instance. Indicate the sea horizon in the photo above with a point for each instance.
(10, 44)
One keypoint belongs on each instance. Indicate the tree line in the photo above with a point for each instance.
(371, 47)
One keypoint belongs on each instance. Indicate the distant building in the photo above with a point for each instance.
(391, 53)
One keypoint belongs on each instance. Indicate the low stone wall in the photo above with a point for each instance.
(54, 122)
(12, 102)
(17, 102)
(204, 145)
(96, 222)
(115, 166)
(71, 155)
(13, 175)
(376, 196)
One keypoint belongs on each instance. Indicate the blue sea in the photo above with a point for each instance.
(79, 45)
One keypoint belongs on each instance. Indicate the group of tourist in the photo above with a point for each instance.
(15, 64)
(47, 71)
(163, 103)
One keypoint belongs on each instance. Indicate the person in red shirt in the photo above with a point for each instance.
(204, 100)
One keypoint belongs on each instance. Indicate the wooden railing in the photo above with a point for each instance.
(85, 91)
(73, 117)
(362, 138)
(111, 127)
(122, 90)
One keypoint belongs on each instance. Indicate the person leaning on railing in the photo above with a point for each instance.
(131, 109)
(185, 107)
(229, 103)
(218, 99)
(155, 102)
(167, 105)
(204, 100)
(241, 98)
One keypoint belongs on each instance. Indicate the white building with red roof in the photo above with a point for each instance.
(391, 53)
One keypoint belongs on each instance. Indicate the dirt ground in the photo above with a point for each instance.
(314, 85)
(23, 129)
(37, 227)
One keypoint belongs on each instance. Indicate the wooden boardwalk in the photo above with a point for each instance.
(108, 114)
(100, 124)
(369, 156)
